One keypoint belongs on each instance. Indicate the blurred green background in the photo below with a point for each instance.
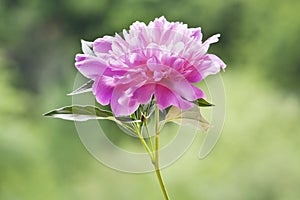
(258, 154)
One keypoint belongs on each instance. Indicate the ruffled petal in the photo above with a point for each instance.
(103, 45)
(103, 88)
(193, 76)
(196, 34)
(90, 66)
(209, 41)
(210, 64)
(178, 83)
(143, 94)
(166, 97)
(122, 103)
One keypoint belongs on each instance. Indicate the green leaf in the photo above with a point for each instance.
(80, 113)
(127, 119)
(187, 117)
(87, 87)
(84, 113)
(202, 103)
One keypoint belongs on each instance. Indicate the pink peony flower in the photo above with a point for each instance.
(163, 59)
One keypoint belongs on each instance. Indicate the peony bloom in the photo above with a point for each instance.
(162, 58)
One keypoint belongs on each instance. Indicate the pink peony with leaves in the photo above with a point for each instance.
(143, 71)
(162, 58)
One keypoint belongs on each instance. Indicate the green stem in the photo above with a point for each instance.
(154, 155)
(161, 183)
(149, 137)
(145, 145)
(156, 160)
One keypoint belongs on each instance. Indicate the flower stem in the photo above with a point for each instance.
(145, 145)
(149, 137)
(156, 160)
(153, 153)
(161, 183)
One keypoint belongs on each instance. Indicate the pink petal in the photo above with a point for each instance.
(158, 29)
(105, 84)
(114, 72)
(90, 66)
(199, 93)
(136, 26)
(134, 59)
(217, 60)
(102, 89)
(143, 94)
(119, 45)
(103, 45)
(172, 32)
(153, 64)
(166, 98)
(209, 41)
(196, 33)
(193, 76)
(210, 64)
(121, 102)
(178, 83)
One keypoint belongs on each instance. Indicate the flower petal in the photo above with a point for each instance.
(165, 98)
(209, 41)
(90, 66)
(103, 88)
(103, 45)
(193, 76)
(178, 83)
(199, 93)
(210, 64)
(143, 94)
(122, 103)
(196, 33)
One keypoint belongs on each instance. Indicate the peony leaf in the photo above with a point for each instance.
(126, 119)
(202, 103)
(187, 117)
(87, 87)
(84, 113)
(80, 113)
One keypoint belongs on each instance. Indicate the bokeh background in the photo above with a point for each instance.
(258, 154)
